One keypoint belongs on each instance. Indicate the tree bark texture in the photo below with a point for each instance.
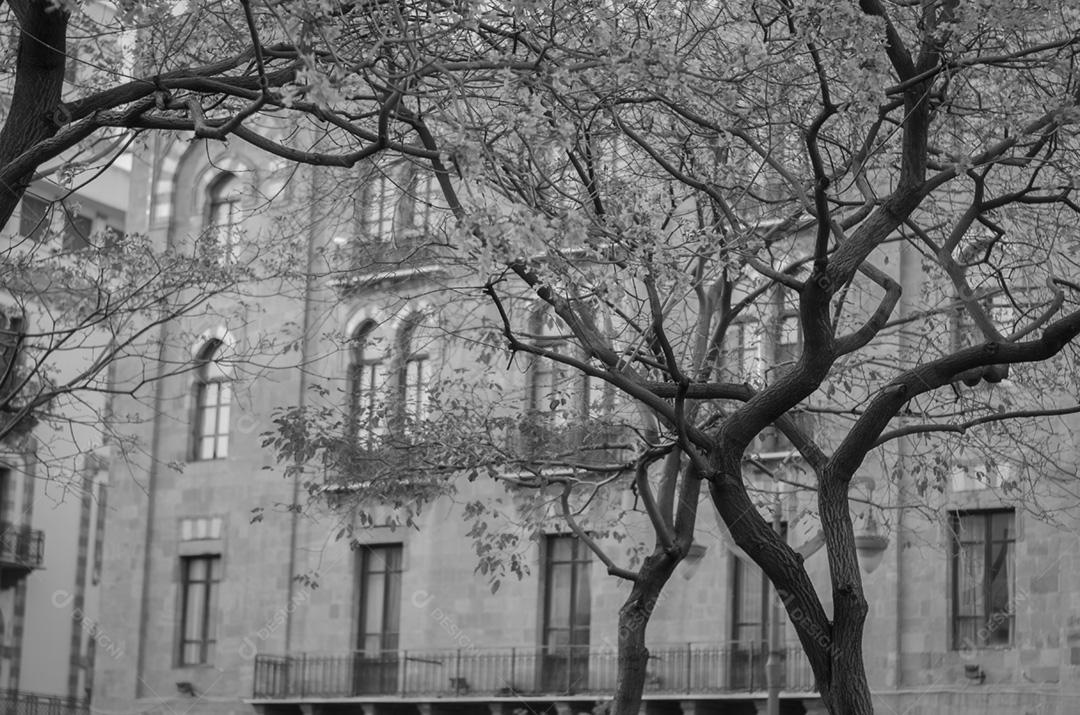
(633, 656)
(39, 82)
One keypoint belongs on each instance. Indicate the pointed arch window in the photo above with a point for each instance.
(223, 219)
(365, 378)
(213, 399)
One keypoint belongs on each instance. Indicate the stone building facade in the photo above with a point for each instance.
(210, 578)
(53, 474)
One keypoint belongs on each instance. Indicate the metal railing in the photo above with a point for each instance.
(521, 672)
(21, 546)
(408, 248)
(590, 444)
(15, 702)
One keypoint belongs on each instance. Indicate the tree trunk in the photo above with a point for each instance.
(633, 657)
(39, 81)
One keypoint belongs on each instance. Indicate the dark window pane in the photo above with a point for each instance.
(982, 565)
(380, 598)
(198, 617)
(77, 231)
(567, 592)
(34, 218)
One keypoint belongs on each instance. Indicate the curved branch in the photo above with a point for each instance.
(568, 516)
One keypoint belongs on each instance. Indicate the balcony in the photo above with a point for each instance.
(520, 673)
(368, 260)
(540, 443)
(21, 703)
(22, 550)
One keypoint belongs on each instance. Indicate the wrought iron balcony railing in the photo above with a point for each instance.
(409, 249)
(521, 672)
(22, 550)
(16, 702)
(542, 443)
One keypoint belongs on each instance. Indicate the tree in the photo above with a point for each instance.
(674, 163)
(671, 167)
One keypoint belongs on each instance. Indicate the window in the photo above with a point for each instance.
(365, 378)
(788, 336)
(382, 207)
(380, 599)
(77, 230)
(567, 597)
(548, 380)
(750, 613)
(12, 335)
(983, 563)
(199, 579)
(427, 200)
(414, 376)
(750, 598)
(375, 669)
(744, 354)
(567, 614)
(213, 395)
(34, 218)
(223, 221)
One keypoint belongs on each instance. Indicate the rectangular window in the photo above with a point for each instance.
(567, 597)
(376, 664)
(212, 418)
(750, 596)
(382, 208)
(567, 614)
(77, 231)
(416, 387)
(199, 579)
(225, 225)
(380, 599)
(983, 565)
(788, 342)
(746, 351)
(366, 379)
(34, 218)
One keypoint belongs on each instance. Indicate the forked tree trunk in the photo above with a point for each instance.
(633, 656)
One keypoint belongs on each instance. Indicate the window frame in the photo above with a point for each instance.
(224, 211)
(39, 224)
(365, 375)
(580, 565)
(202, 408)
(987, 623)
(412, 394)
(389, 634)
(207, 628)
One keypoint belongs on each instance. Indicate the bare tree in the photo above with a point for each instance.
(882, 192)
(671, 167)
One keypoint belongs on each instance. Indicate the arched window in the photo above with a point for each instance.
(365, 377)
(556, 387)
(223, 217)
(415, 373)
(213, 396)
